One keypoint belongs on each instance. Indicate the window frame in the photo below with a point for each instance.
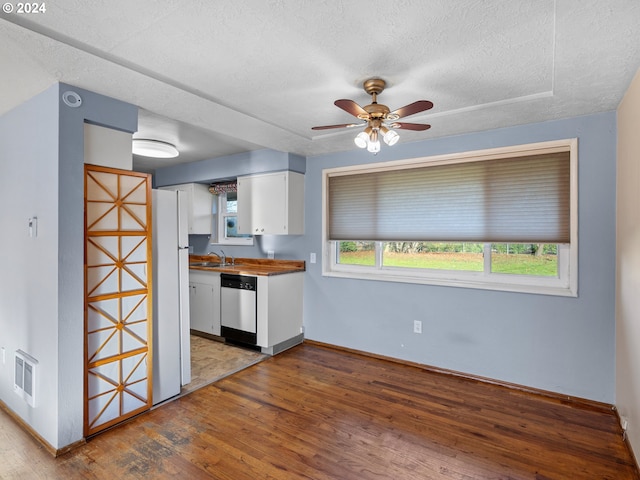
(565, 284)
(220, 214)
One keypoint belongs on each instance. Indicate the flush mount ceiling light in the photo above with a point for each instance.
(379, 120)
(154, 148)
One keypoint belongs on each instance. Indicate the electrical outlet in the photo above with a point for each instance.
(417, 326)
(312, 258)
(271, 254)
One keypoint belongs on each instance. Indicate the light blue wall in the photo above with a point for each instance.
(232, 166)
(111, 113)
(29, 270)
(559, 344)
(284, 247)
(41, 278)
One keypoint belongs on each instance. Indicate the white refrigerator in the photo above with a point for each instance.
(171, 340)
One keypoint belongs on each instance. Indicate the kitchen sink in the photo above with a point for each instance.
(213, 264)
(207, 264)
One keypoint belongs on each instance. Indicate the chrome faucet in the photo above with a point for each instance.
(222, 256)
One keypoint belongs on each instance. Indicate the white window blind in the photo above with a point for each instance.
(520, 199)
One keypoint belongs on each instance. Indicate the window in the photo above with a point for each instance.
(503, 219)
(226, 221)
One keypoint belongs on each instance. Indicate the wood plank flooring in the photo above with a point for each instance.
(317, 413)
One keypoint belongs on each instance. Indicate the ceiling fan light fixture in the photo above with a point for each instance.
(374, 144)
(379, 118)
(361, 140)
(373, 147)
(391, 138)
(154, 148)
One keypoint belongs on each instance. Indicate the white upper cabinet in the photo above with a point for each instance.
(271, 204)
(199, 207)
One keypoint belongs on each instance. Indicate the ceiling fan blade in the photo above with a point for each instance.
(412, 108)
(351, 107)
(411, 126)
(344, 125)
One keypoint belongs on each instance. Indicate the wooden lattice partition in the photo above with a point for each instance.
(118, 380)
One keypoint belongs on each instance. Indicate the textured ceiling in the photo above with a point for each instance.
(226, 76)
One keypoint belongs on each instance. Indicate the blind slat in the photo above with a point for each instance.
(522, 199)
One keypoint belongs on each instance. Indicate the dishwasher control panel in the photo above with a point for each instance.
(241, 282)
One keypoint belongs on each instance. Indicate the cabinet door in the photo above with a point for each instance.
(199, 207)
(201, 210)
(262, 204)
(201, 307)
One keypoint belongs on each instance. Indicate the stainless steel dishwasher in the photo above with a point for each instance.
(238, 308)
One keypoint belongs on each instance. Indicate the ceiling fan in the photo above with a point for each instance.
(378, 119)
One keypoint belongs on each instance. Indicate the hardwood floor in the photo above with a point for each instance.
(317, 413)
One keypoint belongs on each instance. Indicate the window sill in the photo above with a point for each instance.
(497, 282)
(236, 243)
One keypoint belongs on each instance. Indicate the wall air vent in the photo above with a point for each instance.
(24, 383)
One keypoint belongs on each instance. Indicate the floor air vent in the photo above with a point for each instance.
(25, 377)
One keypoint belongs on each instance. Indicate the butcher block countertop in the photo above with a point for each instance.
(247, 266)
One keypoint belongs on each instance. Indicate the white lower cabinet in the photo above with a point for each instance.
(204, 301)
(278, 305)
(279, 309)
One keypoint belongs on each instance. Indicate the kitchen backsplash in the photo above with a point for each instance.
(261, 246)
